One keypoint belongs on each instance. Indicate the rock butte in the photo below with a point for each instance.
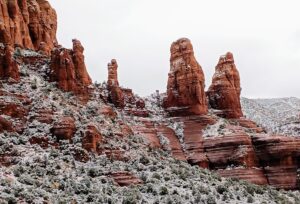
(185, 90)
(239, 148)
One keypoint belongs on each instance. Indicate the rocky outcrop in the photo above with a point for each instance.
(6, 125)
(185, 90)
(124, 178)
(8, 66)
(28, 24)
(172, 144)
(192, 138)
(64, 129)
(253, 175)
(91, 139)
(68, 69)
(116, 95)
(279, 155)
(147, 130)
(230, 150)
(224, 92)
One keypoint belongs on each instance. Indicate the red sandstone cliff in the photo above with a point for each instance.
(185, 90)
(28, 23)
(224, 92)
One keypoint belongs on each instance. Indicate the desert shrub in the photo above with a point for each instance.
(221, 189)
(211, 200)
(250, 199)
(163, 190)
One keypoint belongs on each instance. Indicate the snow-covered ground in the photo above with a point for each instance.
(279, 115)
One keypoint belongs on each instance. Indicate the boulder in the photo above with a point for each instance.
(64, 129)
(224, 92)
(91, 139)
(185, 90)
(125, 178)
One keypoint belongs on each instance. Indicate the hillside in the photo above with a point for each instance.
(279, 116)
(37, 167)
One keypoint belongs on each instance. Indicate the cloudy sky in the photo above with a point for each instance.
(264, 37)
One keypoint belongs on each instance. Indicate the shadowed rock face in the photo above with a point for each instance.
(185, 90)
(68, 69)
(28, 23)
(8, 66)
(224, 92)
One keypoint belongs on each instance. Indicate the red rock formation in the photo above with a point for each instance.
(224, 92)
(43, 116)
(91, 139)
(13, 110)
(253, 175)
(185, 91)
(116, 95)
(27, 23)
(278, 155)
(230, 150)
(125, 178)
(140, 104)
(246, 123)
(8, 66)
(115, 154)
(147, 130)
(174, 143)
(64, 129)
(5, 125)
(193, 140)
(68, 69)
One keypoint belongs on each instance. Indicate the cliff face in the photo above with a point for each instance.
(225, 90)
(185, 90)
(28, 23)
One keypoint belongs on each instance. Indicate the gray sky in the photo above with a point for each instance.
(264, 36)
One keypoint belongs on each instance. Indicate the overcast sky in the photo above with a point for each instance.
(264, 36)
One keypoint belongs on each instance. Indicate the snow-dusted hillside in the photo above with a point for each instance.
(53, 175)
(279, 115)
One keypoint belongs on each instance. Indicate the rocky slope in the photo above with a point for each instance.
(280, 116)
(66, 139)
(58, 149)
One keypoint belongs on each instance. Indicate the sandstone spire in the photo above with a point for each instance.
(224, 92)
(116, 95)
(185, 90)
